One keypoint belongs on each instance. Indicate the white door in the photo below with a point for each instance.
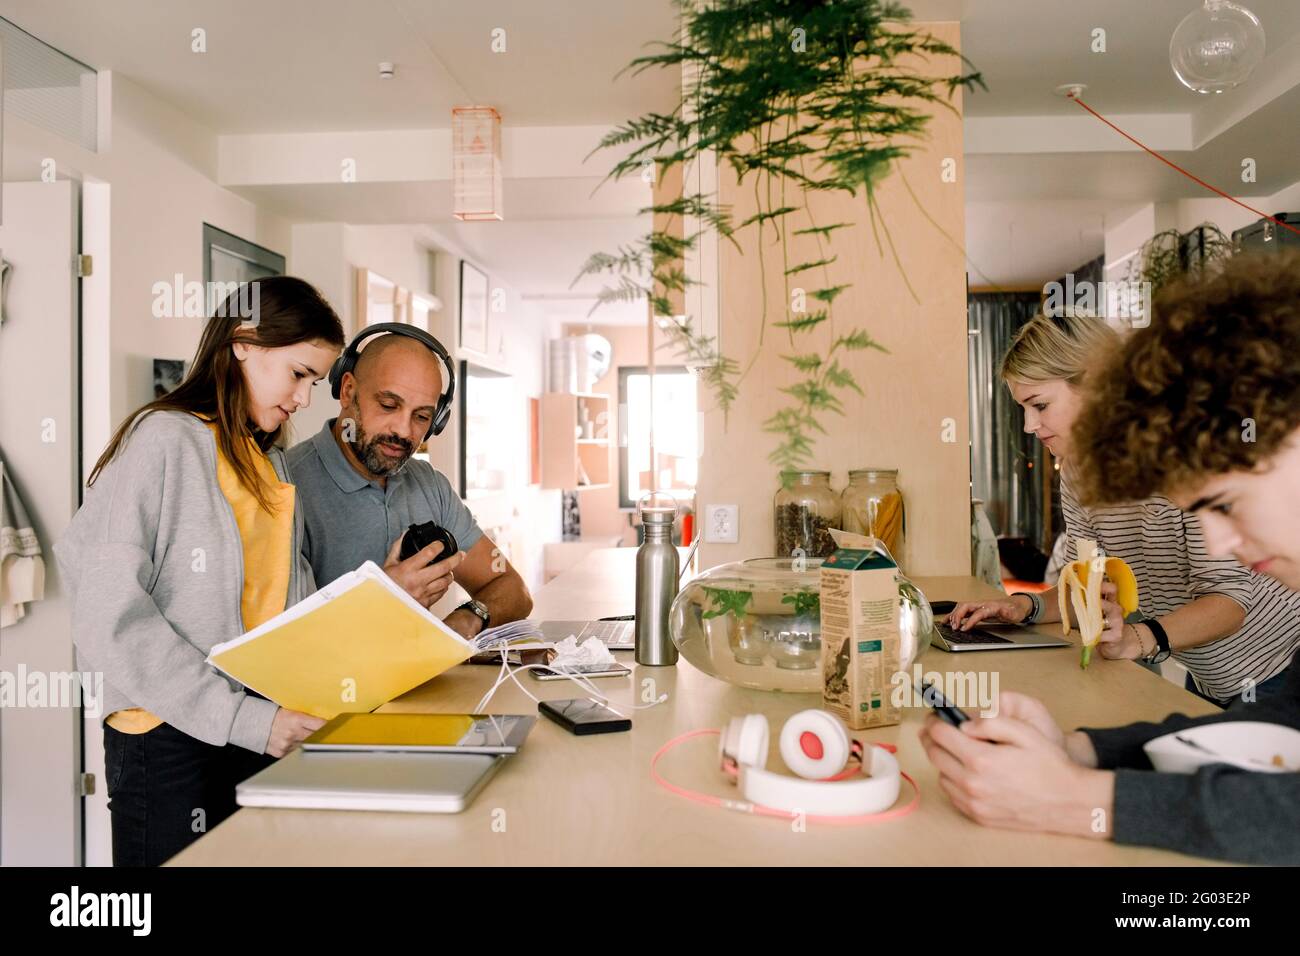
(40, 736)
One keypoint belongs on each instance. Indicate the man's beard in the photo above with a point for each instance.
(367, 450)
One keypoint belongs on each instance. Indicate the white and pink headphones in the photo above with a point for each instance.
(831, 784)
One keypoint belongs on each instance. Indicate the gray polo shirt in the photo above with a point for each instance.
(351, 520)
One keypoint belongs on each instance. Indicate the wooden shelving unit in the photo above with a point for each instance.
(570, 460)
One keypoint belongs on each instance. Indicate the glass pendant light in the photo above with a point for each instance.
(1216, 47)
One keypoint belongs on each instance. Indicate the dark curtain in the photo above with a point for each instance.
(1006, 464)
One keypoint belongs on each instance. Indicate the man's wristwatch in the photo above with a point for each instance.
(479, 610)
(1162, 650)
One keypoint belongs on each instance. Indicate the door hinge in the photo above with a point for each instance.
(85, 266)
(86, 785)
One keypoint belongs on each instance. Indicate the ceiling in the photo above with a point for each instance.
(311, 65)
(1025, 48)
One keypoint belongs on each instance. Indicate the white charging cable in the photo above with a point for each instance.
(508, 673)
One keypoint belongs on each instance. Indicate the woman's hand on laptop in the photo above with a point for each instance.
(425, 582)
(1010, 610)
(289, 729)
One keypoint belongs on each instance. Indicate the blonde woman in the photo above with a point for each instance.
(1233, 629)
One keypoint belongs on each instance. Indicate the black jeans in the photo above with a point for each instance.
(166, 789)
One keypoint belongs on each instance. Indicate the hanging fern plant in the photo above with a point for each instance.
(794, 97)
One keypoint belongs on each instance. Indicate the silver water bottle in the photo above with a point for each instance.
(656, 581)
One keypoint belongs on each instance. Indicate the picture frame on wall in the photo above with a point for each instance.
(167, 374)
(473, 309)
(228, 258)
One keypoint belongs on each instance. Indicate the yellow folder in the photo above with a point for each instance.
(355, 644)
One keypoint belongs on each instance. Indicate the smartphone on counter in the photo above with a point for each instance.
(581, 716)
(613, 669)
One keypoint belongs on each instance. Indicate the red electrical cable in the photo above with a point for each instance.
(1196, 179)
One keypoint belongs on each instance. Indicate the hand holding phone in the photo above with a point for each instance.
(933, 697)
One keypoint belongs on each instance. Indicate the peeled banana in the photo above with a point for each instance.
(1082, 589)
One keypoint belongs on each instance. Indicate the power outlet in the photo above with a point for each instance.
(722, 524)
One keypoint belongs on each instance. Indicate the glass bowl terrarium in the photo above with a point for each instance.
(757, 623)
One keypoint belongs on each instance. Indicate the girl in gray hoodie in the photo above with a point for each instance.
(190, 535)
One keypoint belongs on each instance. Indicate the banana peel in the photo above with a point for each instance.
(1080, 586)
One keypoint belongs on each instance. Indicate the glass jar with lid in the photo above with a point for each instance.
(873, 505)
(805, 509)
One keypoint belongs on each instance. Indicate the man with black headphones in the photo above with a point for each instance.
(360, 488)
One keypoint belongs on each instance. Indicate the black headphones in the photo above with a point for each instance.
(347, 362)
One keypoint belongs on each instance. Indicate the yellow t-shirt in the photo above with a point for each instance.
(267, 543)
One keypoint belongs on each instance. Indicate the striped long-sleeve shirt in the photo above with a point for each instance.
(1166, 550)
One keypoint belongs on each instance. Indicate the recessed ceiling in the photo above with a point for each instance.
(312, 65)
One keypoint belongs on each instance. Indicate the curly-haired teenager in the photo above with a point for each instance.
(1203, 406)
(1232, 629)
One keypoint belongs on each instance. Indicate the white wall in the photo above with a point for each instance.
(1128, 235)
(1229, 216)
(327, 254)
(528, 515)
(159, 169)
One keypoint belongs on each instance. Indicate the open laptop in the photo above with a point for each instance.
(992, 639)
(618, 635)
(403, 782)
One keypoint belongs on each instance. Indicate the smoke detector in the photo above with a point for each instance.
(385, 71)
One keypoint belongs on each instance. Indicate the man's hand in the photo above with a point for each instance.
(1003, 772)
(464, 623)
(425, 582)
(1033, 712)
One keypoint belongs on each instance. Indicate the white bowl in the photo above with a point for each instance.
(1249, 744)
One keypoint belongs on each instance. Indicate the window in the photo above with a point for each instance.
(670, 423)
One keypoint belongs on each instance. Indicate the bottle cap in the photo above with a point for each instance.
(657, 507)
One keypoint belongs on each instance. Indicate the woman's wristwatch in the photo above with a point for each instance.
(1035, 607)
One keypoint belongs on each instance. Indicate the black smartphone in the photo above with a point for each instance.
(581, 716)
(420, 536)
(942, 608)
(933, 697)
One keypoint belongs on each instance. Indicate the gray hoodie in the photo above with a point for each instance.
(155, 568)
